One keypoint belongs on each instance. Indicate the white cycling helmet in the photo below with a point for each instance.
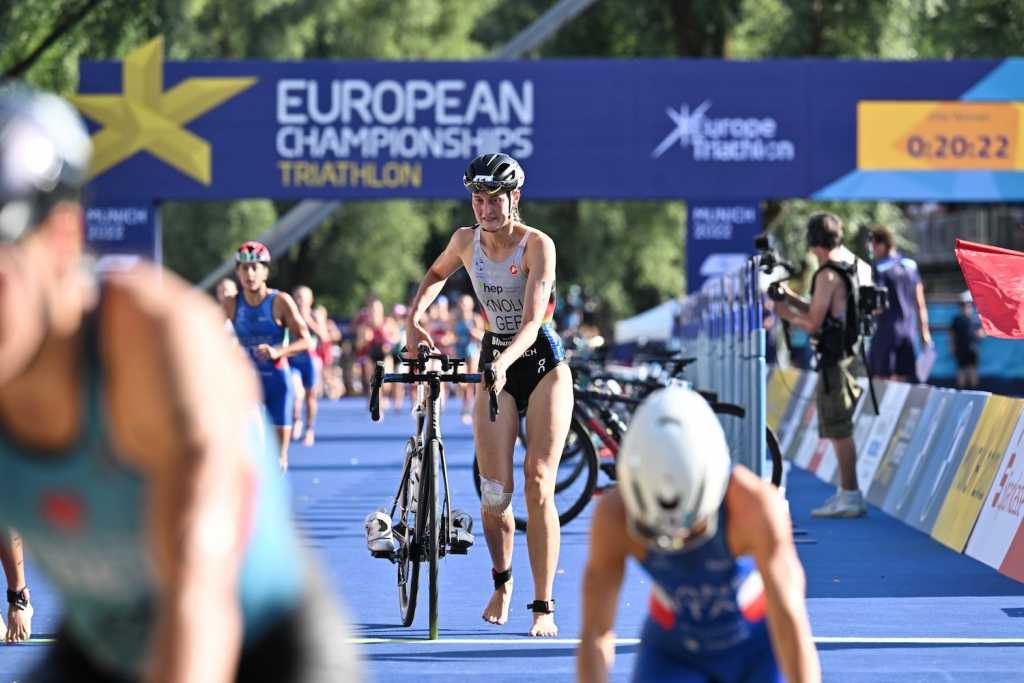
(673, 469)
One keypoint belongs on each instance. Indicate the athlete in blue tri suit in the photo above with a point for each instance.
(727, 598)
(134, 466)
(271, 329)
(306, 366)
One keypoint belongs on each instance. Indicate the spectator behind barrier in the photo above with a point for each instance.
(965, 331)
(891, 354)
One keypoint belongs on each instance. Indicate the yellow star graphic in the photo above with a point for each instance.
(145, 117)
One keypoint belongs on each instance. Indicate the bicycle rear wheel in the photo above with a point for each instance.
(577, 474)
(407, 532)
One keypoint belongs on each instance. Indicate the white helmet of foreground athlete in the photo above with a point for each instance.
(673, 470)
(44, 155)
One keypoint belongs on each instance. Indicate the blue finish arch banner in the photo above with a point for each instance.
(700, 129)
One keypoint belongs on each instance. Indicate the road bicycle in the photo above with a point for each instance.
(423, 526)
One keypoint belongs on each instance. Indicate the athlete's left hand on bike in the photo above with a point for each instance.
(268, 352)
(19, 624)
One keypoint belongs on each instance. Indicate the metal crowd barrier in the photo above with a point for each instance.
(722, 326)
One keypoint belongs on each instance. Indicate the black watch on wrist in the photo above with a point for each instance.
(18, 599)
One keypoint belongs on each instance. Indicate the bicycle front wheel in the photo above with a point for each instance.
(431, 533)
(408, 534)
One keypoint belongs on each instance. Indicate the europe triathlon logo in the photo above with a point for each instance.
(724, 139)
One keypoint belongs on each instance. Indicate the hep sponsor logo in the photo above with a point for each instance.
(1010, 494)
(724, 139)
(493, 289)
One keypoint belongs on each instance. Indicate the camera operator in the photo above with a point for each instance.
(891, 354)
(831, 318)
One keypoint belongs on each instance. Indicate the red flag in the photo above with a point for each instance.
(995, 277)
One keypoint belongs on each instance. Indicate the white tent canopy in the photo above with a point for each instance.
(652, 325)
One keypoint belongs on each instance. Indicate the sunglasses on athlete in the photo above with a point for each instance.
(488, 187)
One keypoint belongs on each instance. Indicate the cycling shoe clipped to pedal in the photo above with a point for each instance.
(462, 532)
(380, 540)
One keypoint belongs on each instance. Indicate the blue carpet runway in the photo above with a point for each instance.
(887, 603)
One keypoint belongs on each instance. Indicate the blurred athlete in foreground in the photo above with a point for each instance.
(19, 609)
(727, 599)
(134, 467)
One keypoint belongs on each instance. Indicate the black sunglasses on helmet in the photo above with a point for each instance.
(488, 186)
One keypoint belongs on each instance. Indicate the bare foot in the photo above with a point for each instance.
(496, 611)
(283, 462)
(544, 626)
(310, 438)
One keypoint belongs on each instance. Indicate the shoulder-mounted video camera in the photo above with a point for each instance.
(872, 299)
(768, 261)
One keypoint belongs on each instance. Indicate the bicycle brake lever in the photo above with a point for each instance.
(489, 378)
(375, 383)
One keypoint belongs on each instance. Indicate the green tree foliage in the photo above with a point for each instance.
(948, 29)
(199, 236)
(363, 247)
(810, 28)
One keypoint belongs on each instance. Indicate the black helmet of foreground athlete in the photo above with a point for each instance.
(44, 157)
(493, 173)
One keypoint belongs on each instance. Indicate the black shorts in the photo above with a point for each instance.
(966, 358)
(306, 645)
(525, 374)
(893, 356)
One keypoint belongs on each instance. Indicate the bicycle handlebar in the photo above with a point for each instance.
(380, 378)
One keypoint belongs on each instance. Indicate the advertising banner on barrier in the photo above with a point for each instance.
(977, 470)
(906, 425)
(877, 442)
(719, 239)
(781, 397)
(865, 416)
(823, 460)
(908, 476)
(804, 449)
(940, 463)
(803, 413)
(998, 536)
(627, 129)
(119, 235)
